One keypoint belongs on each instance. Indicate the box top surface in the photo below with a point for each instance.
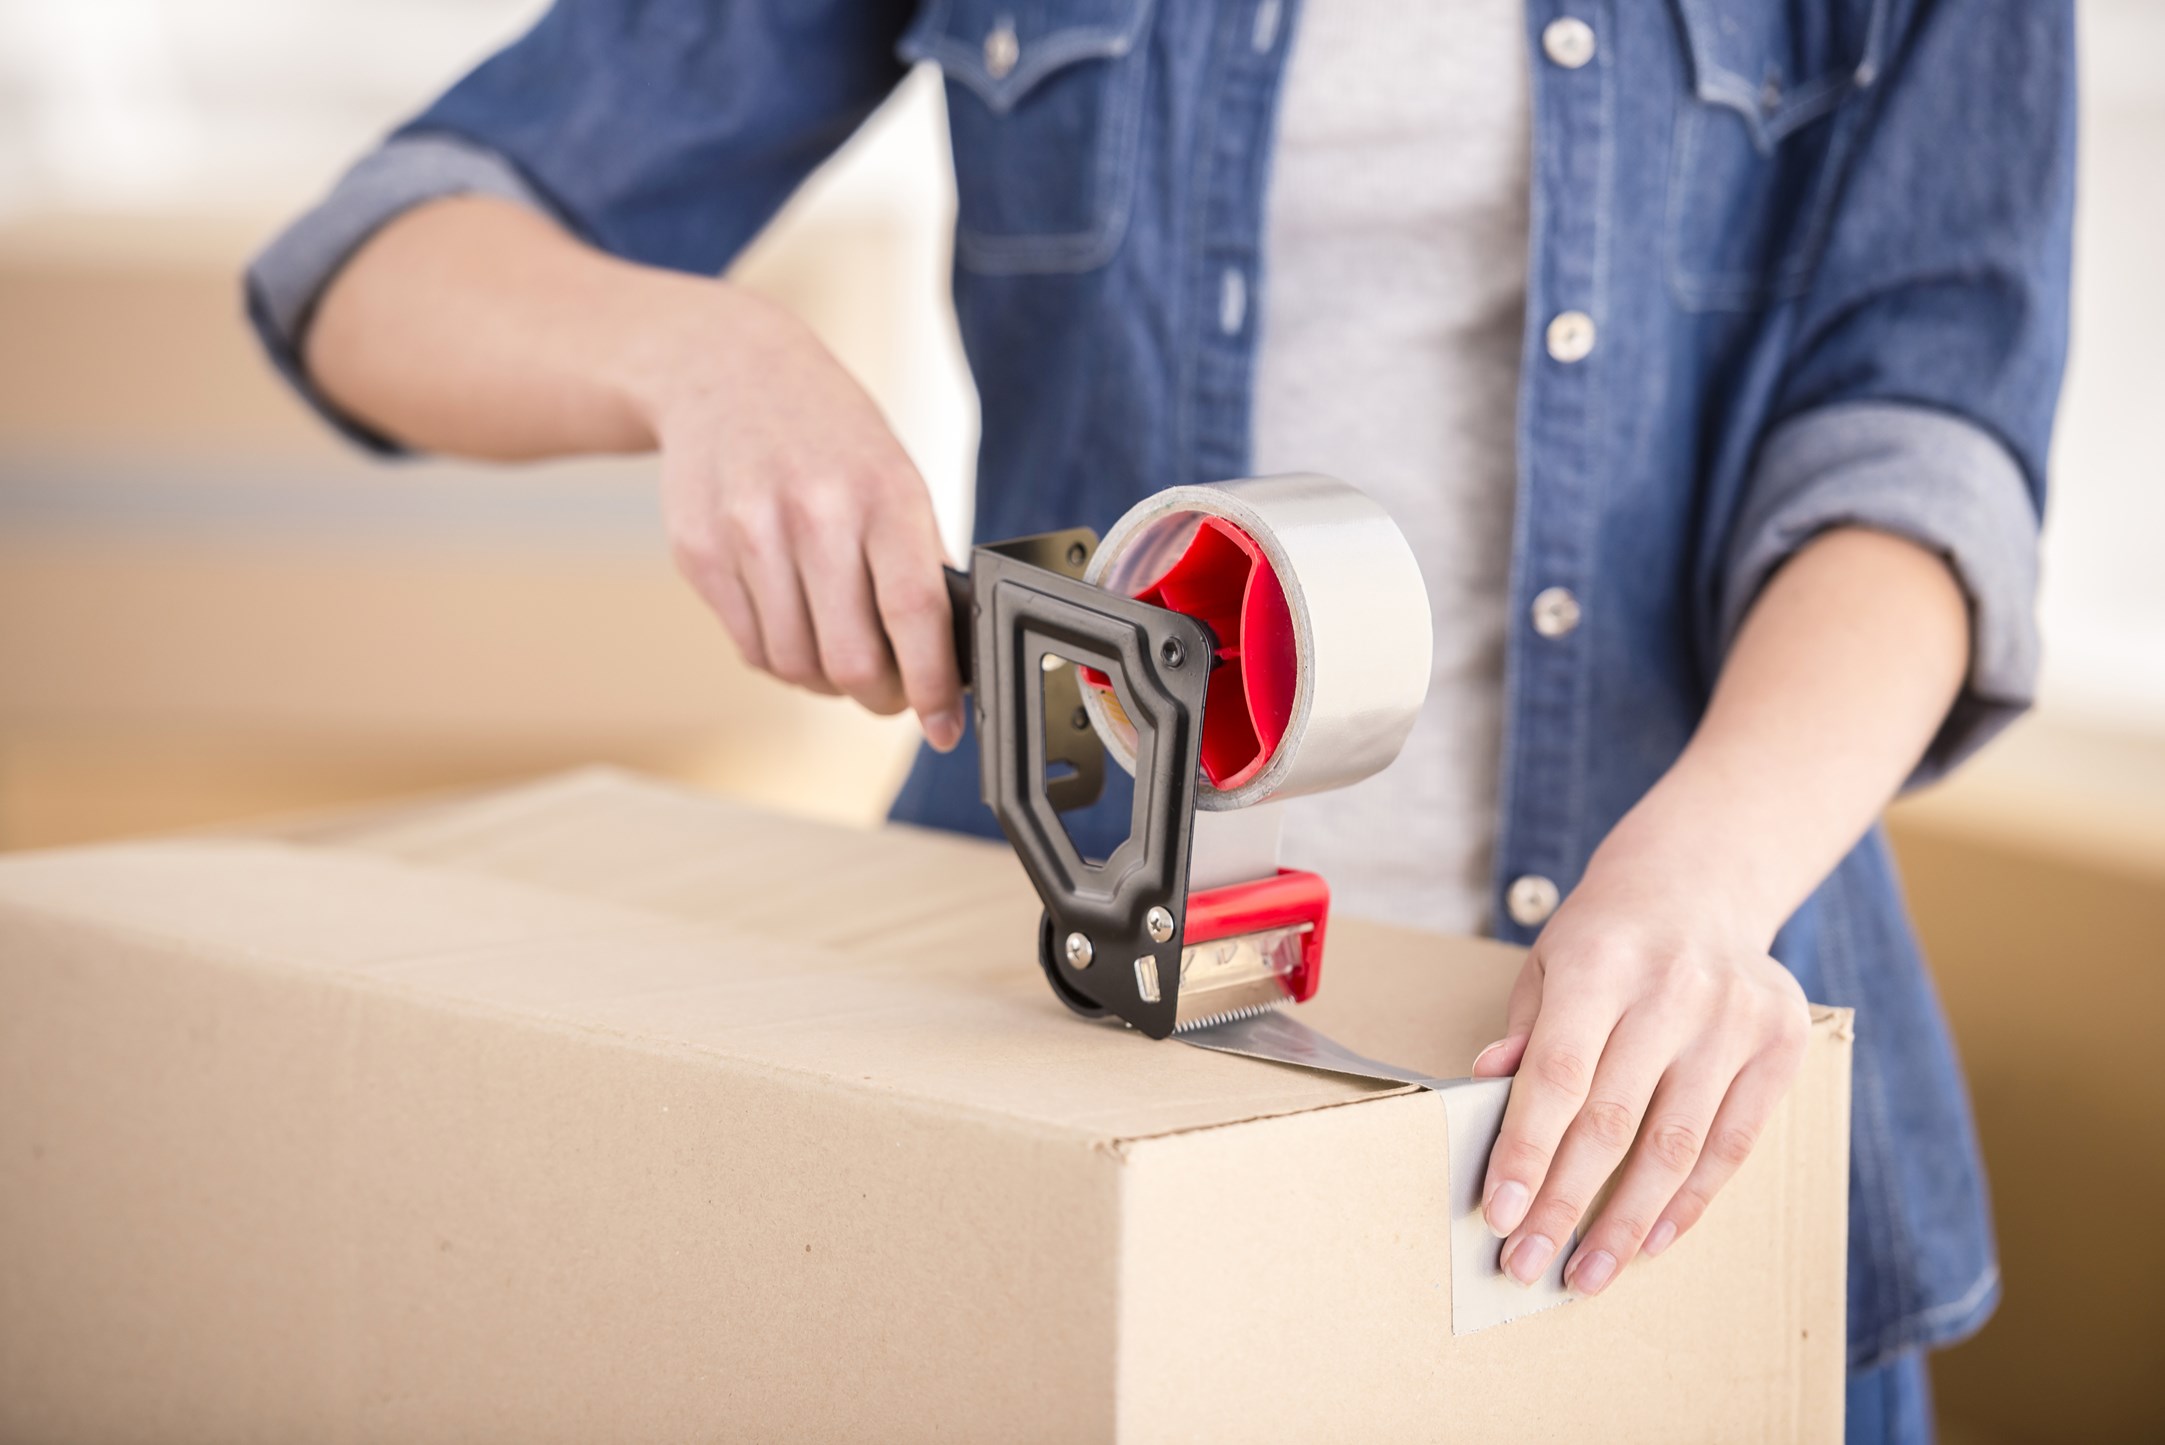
(893, 961)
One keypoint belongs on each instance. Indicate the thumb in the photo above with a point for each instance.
(1501, 1058)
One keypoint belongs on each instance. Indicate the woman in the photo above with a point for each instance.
(1706, 351)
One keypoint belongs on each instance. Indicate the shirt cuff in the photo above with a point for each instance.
(1937, 480)
(290, 274)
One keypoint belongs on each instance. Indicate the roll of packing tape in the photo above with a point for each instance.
(1322, 623)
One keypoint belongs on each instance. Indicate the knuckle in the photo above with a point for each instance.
(1793, 1027)
(857, 668)
(1628, 1228)
(1732, 1145)
(1674, 1144)
(1608, 1123)
(914, 598)
(881, 485)
(1741, 1006)
(1557, 1214)
(1521, 1157)
(751, 650)
(816, 507)
(891, 485)
(1565, 1070)
(696, 551)
(1686, 982)
(793, 665)
(746, 528)
(1688, 1206)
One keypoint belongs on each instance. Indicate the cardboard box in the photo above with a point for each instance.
(595, 1110)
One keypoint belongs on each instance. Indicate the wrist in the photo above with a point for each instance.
(1689, 852)
(675, 337)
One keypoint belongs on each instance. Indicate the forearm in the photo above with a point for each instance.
(476, 327)
(1839, 678)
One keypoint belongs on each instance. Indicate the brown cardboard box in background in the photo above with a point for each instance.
(596, 1110)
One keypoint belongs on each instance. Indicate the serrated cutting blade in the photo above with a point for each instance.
(1237, 977)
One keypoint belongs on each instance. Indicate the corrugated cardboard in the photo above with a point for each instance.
(594, 1110)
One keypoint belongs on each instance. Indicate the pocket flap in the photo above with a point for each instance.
(1781, 66)
(1001, 49)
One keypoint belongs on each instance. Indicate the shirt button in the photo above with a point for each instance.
(1556, 612)
(1571, 336)
(1002, 50)
(1569, 42)
(1232, 301)
(1530, 900)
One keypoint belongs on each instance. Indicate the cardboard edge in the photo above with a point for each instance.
(1837, 1025)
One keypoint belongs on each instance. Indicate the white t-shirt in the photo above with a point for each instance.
(1394, 293)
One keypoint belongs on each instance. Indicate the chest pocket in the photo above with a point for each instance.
(1761, 140)
(1045, 104)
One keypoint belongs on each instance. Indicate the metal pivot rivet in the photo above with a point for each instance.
(1077, 554)
(1172, 652)
(1080, 720)
(1079, 951)
(1160, 924)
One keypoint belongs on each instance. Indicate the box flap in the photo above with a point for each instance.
(927, 902)
(671, 920)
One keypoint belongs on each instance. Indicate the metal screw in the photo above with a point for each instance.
(1160, 924)
(1077, 554)
(1172, 652)
(1080, 721)
(1079, 951)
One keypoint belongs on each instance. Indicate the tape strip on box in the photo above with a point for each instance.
(1481, 1293)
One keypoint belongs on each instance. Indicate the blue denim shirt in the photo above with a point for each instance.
(1823, 250)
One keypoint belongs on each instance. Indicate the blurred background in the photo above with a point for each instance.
(211, 611)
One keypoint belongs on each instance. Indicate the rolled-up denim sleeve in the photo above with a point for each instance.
(1938, 481)
(664, 131)
(1924, 371)
(289, 275)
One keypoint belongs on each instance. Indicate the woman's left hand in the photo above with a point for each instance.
(1648, 1029)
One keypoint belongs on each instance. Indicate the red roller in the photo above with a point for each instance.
(1224, 581)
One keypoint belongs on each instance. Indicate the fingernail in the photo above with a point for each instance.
(1505, 1207)
(1589, 1273)
(943, 730)
(1530, 1258)
(1659, 1238)
(1492, 1048)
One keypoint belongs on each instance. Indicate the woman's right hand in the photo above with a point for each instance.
(796, 514)
(475, 326)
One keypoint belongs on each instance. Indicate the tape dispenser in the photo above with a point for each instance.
(1231, 646)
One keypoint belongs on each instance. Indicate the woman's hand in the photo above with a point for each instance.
(1643, 1014)
(474, 326)
(1650, 1028)
(797, 516)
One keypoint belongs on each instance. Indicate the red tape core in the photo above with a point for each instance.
(1224, 581)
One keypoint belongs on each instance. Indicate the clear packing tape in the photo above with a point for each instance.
(1481, 1293)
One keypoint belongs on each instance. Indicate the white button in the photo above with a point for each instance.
(1571, 336)
(1002, 50)
(1569, 42)
(1556, 612)
(1530, 900)
(1232, 301)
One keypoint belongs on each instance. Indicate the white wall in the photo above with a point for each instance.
(2104, 595)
